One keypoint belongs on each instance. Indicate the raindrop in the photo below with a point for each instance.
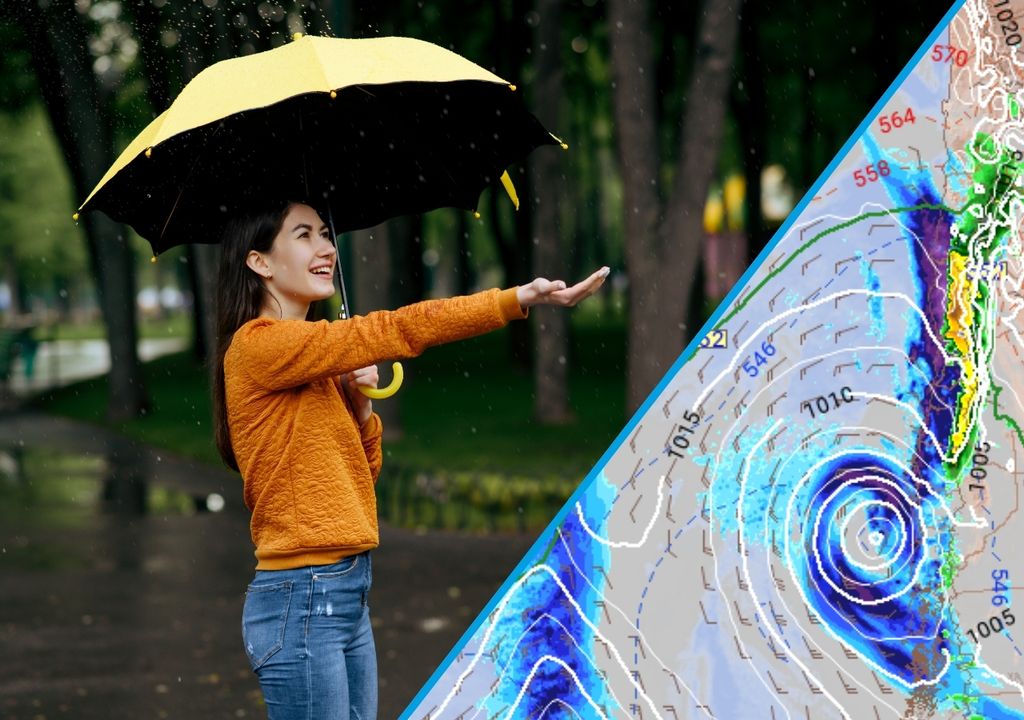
(580, 44)
(533, 18)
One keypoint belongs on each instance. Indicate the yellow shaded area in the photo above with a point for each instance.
(959, 320)
(506, 182)
(714, 215)
(310, 64)
(725, 210)
(734, 193)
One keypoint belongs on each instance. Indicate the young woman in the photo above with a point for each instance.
(291, 419)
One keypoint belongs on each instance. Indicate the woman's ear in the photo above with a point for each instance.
(258, 264)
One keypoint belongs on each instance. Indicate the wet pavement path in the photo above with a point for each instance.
(121, 592)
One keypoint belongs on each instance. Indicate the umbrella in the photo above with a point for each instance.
(365, 129)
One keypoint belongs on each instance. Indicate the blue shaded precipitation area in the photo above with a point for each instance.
(543, 642)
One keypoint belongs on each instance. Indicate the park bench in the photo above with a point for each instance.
(14, 341)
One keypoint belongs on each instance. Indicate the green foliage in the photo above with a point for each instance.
(17, 83)
(36, 204)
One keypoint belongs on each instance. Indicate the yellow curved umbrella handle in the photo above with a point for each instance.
(381, 393)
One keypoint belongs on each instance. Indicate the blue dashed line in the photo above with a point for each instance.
(659, 561)
(731, 391)
(644, 593)
(845, 268)
(680, 531)
(997, 557)
(985, 508)
(885, 245)
(795, 321)
(651, 578)
(652, 462)
(722, 405)
(872, 251)
(828, 283)
(993, 542)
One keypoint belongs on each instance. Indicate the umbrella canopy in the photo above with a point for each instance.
(375, 127)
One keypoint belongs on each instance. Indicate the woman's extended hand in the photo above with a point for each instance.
(362, 405)
(554, 292)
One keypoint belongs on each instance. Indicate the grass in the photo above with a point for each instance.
(464, 407)
(174, 325)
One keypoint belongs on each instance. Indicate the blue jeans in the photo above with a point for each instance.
(308, 637)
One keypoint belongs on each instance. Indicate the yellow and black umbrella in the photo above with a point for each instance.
(364, 129)
(380, 127)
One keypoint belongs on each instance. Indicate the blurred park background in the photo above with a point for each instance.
(694, 127)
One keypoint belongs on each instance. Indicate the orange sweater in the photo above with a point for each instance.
(308, 468)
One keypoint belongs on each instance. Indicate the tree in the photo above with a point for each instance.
(663, 239)
(58, 43)
(551, 325)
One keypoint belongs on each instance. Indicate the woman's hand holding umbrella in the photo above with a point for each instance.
(542, 291)
(355, 384)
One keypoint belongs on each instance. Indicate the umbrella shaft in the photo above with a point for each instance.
(343, 315)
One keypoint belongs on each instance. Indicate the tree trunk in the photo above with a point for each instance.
(63, 68)
(750, 107)
(637, 145)
(10, 276)
(205, 261)
(463, 262)
(407, 280)
(371, 289)
(551, 324)
(516, 256)
(515, 251)
(663, 244)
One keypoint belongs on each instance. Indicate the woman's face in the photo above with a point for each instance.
(299, 269)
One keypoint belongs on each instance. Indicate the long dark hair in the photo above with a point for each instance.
(240, 296)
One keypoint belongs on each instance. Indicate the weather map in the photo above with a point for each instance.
(816, 512)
